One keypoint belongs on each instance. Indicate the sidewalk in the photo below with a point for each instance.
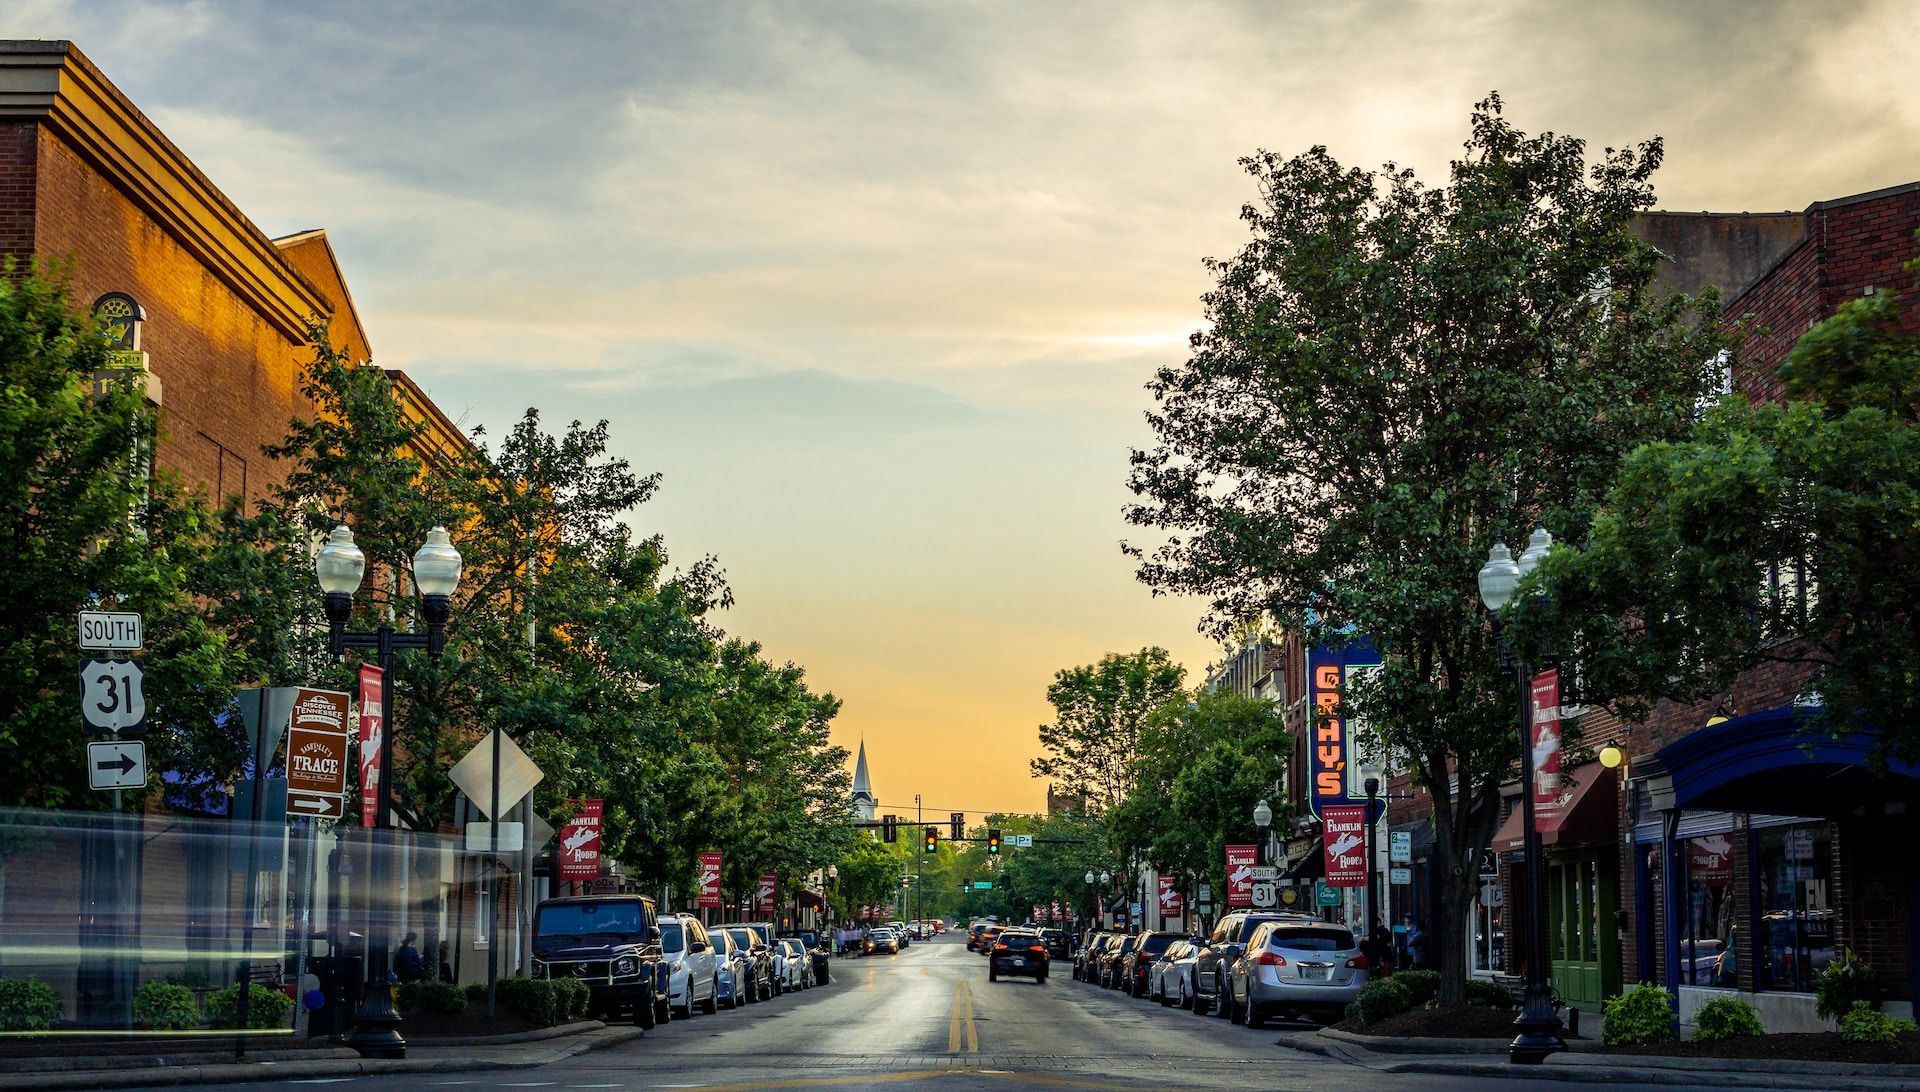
(1487, 1059)
(522, 1051)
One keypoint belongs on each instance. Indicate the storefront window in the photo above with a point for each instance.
(1708, 952)
(1795, 871)
(1488, 943)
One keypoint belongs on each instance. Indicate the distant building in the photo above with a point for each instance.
(863, 799)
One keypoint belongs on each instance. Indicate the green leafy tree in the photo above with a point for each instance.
(1099, 711)
(1774, 533)
(1392, 377)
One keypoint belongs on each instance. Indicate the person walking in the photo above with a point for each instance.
(408, 966)
(1417, 944)
(1380, 951)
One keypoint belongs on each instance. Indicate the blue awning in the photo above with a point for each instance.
(1760, 761)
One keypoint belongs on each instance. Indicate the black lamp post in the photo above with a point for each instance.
(1539, 1024)
(1262, 821)
(339, 567)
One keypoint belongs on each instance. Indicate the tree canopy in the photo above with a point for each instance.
(1099, 712)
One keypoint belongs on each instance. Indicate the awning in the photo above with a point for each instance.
(810, 901)
(1762, 761)
(1587, 811)
(1309, 866)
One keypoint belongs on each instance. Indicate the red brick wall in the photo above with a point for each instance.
(18, 140)
(228, 375)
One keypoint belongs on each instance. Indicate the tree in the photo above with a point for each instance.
(1099, 710)
(1776, 533)
(1392, 377)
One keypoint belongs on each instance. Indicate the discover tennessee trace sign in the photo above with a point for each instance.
(317, 754)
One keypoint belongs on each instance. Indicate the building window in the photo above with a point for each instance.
(1794, 867)
(1711, 913)
(1487, 942)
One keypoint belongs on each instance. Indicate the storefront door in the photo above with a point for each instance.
(1582, 892)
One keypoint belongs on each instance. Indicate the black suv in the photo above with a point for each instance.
(609, 943)
(1018, 951)
(1058, 946)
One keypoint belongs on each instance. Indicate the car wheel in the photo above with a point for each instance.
(663, 1011)
(644, 1013)
(1256, 1017)
(712, 1004)
(993, 975)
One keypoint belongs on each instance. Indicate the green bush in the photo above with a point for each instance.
(571, 998)
(195, 979)
(1352, 1011)
(1726, 1018)
(1843, 984)
(1424, 986)
(1642, 1015)
(1866, 1024)
(27, 1004)
(530, 999)
(431, 997)
(265, 1008)
(165, 1006)
(1491, 995)
(1381, 998)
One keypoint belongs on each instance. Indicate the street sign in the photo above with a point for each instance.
(474, 774)
(1400, 847)
(512, 837)
(317, 754)
(1265, 872)
(983, 885)
(1266, 894)
(1023, 840)
(113, 697)
(1324, 895)
(1400, 877)
(117, 765)
(110, 631)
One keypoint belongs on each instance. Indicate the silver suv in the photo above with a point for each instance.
(1295, 968)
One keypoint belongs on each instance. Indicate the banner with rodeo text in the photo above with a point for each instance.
(373, 725)
(1344, 832)
(710, 879)
(1240, 865)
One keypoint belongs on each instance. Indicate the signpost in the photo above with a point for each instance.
(1023, 841)
(113, 697)
(580, 842)
(117, 764)
(1265, 895)
(1400, 847)
(1400, 877)
(317, 754)
(1324, 894)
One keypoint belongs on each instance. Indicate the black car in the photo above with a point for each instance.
(759, 954)
(1114, 958)
(610, 943)
(1018, 951)
(820, 947)
(1084, 959)
(1228, 940)
(1058, 947)
(1140, 959)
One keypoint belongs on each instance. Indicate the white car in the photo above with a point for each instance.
(693, 967)
(794, 964)
(1170, 982)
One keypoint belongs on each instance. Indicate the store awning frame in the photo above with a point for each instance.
(1587, 812)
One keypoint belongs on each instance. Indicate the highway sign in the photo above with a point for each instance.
(1400, 876)
(110, 631)
(1265, 872)
(474, 774)
(117, 765)
(1266, 894)
(112, 697)
(983, 885)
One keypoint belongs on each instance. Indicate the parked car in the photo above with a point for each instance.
(1157, 984)
(609, 942)
(1295, 968)
(1177, 971)
(820, 949)
(1083, 960)
(761, 984)
(1137, 967)
(735, 969)
(794, 963)
(900, 933)
(1113, 960)
(1018, 952)
(1057, 944)
(1228, 939)
(693, 970)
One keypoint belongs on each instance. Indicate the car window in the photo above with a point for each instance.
(581, 918)
(742, 937)
(672, 937)
(718, 938)
(1309, 938)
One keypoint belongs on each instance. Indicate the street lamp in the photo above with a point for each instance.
(1539, 1024)
(1371, 771)
(339, 567)
(1262, 819)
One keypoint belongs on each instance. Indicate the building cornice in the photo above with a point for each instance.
(54, 84)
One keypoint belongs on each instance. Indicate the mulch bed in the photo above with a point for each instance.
(1823, 1046)
(1452, 1022)
(472, 1021)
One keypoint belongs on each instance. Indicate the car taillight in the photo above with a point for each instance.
(999, 947)
(1037, 948)
(1271, 959)
(1358, 963)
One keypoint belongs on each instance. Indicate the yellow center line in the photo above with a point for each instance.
(960, 1024)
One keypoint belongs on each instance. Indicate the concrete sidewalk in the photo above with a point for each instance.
(522, 1051)
(1486, 1059)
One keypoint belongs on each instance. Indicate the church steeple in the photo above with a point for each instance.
(863, 799)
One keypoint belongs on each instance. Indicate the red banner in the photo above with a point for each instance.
(1344, 833)
(580, 842)
(1172, 905)
(373, 725)
(1240, 865)
(1546, 739)
(763, 896)
(710, 879)
(1710, 860)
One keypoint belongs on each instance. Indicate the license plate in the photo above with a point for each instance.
(1318, 974)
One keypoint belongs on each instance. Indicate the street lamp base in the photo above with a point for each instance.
(1539, 1036)
(376, 1032)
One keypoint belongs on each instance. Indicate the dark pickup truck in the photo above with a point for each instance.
(610, 944)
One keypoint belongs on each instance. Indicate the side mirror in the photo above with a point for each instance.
(696, 947)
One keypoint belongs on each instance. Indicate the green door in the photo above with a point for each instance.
(1582, 893)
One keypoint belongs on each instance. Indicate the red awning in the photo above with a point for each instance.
(810, 901)
(1587, 811)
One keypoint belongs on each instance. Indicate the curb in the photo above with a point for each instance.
(579, 1027)
(1381, 1044)
(1602, 1073)
(236, 1073)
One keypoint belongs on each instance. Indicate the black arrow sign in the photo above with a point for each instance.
(125, 763)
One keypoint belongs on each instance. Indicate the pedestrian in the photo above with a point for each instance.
(407, 964)
(446, 962)
(1417, 944)
(1380, 959)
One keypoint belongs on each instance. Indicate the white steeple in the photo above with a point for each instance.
(863, 799)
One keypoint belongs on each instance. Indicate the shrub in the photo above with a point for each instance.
(194, 979)
(1642, 1015)
(1423, 986)
(1381, 998)
(530, 999)
(1352, 1011)
(1726, 1018)
(1866, 1024)
(571, 999)
(1487, 994)
(265, 1008)
(27, 1004)
(165, 1006)
(1843, 984)
(431, 997)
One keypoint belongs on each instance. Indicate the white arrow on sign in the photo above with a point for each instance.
(117, 765)
(112, 696)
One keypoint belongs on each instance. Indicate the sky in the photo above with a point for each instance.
(877, 286)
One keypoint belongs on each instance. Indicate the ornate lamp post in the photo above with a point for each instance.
(1262, 820)
(1539, 1024)
(340, 566)
(1371, 772)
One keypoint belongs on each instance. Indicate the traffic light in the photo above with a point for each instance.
(957, 826)
(993, 841)
(933, 840)
(888, 833)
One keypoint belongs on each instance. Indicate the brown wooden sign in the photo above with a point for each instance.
(317, 754)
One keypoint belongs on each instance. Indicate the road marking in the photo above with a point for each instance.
(961, 1020)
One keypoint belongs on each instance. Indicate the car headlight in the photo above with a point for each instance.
(626, 965)
(539, 969)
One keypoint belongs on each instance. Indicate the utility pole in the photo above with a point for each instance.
(920, 901)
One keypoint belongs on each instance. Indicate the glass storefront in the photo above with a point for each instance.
(1487, 948)
(1794, 865)
(1710, 922)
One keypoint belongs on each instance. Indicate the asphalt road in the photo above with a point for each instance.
(930, 1017)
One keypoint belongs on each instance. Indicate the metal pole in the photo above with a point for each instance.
(493, 904)
(1373, 879)
(260, 759)
(376, 1032)
(1539, 1024)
